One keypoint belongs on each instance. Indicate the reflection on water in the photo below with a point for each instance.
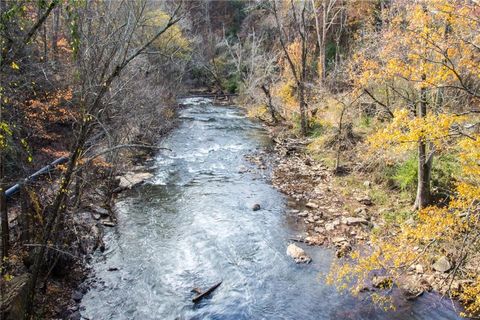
(192, 225)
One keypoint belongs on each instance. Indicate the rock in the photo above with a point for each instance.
(410, 222)
(294, 211)
(131, 179)
(314, 240)
(442, 264)
(101, 211)
(366, 200)
(96, 216)
(298, 254)
(361, 211)
(342, 249)
(353, 221)
(242, 169)
(367, 184)
(75, 316)
(331, 226)
(303, 214)
(311, 205)
(319, 229)
(12, 300)
(256, 207)
(77, 296)
(339, 240)
(108, 223)
(382, 282)
(419, 268)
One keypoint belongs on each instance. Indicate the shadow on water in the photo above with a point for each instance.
(192, 225)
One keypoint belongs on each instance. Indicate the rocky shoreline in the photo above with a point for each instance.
(334, 220)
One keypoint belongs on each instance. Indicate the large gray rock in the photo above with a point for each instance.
(298, 254)
(132, 179)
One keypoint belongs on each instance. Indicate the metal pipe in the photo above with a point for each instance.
(15, 188)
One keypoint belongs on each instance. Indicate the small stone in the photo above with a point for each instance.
(303, 214)
(419, 268)
(366, 200)
(367, 184)
(294, 211)
(319, 229)
(242, 169)
(101, 211)
(352, 221)
(77, 296)
(311, 205)
(329, 226)
(442, 264)
(338, 240)
(108, 223)
(256, 207)
(75, 316)
(314, 240)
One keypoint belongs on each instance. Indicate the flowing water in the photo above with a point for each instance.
(193, 225)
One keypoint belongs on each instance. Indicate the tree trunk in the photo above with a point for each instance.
(302, 105)
(424, 162)
(271, 108)
(3, 207)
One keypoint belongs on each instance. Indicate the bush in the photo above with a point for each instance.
(445, 168)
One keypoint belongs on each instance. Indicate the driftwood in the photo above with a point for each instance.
(202, 295)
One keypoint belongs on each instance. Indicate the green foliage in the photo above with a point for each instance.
(316, 128)
(444, 170)
(397, 217)
(232, 83)
(365, 121)
(405, 174)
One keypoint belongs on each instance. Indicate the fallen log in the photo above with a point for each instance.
(202, 295)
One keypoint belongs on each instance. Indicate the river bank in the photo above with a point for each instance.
(331, 217)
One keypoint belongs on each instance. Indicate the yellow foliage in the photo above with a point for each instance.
(172, 42)
(405, 131)
(435, 228)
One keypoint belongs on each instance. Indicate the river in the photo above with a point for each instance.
(193, 225)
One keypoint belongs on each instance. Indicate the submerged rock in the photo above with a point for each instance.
(298, 254)
(256, 207)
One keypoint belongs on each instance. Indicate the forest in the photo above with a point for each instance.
(149, 148)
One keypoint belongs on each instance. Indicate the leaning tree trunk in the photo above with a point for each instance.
(271, 108)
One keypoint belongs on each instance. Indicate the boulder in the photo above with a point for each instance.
(442, 264)
(298, 254)
(132, 179)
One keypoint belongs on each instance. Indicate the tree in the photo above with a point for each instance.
(101, 57)
(299, 72)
